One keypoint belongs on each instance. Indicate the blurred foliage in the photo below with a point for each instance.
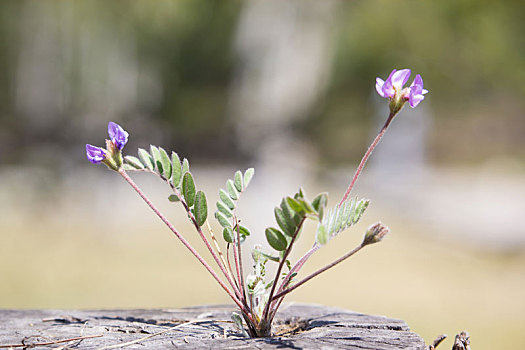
(471, 54)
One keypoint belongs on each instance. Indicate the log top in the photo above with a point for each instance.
(297, 326)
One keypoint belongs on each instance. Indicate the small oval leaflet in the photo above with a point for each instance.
(288, 226)
(223, 208)
(276, 239)
(146, 158)
(134, 162)
(176, 171)
(227, 234)
(173, 198)
(222, 219)
(232, 191)
(166, 163)
(238, 181)
(188, 189)
(185, 166)
(225, 198)
(201, 208)
(155, 153)
(248, 174)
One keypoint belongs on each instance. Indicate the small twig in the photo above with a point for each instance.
(462, 341)
(437, 341)
(150, 335)
(50, 342)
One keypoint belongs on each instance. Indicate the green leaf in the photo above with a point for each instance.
(232, 191)
(238, 181)
(288, 213)
(295, 205)
(128, 167)
(134, 162)
(283, 223)
(176, 172)
(185, 166)
(227, 234)
(223, 208)
(225, 198)
(201, 208)
(166, 163)
(306, 206)
(155, 153)
(243, 231)
(237, 320)
(320, 201)
(322, 235)
(146, 158)
(276, 239)
(222, 219)
(173, 198)
(360, 209)
(248, 174)
(188, 189)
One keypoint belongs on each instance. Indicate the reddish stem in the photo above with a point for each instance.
(366, 156)
(279, 269)
(318, 272)
(184, 242)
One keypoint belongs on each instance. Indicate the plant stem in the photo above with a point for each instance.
(312, 275)
(179, 236)
(241, 273)
(366, 156)
(207, 243)
(219, 251)
(279, 269)
(298, 265)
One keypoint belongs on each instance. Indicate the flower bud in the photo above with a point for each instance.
(375, 233)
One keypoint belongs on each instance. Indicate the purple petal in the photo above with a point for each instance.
(117, 135)
(400, 78)
(416, 92)
(379, 87)
(95, 154)
(388, 88)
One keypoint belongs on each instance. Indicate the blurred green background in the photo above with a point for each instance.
(287, 87)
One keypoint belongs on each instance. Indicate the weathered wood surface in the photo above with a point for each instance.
(206, 327)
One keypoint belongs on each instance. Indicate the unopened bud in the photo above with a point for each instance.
(375, 233)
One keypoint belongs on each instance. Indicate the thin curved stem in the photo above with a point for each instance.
(366, 156)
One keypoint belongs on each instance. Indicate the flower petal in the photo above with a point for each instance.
(416, 91)
(95, 154)
(400, 77)
(379, 87)
(117, 135)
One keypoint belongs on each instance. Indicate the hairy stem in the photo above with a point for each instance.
(366, 156)
(318, 272)
(183, 241)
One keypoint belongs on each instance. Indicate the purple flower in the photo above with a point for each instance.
(417, 92)
(394, 83)
(95, 154)
(393, 89)
(118, 136)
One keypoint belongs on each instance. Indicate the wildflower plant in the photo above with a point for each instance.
(257, 297)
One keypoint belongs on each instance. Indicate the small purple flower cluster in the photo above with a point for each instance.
(118, 138)
(392, 88)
